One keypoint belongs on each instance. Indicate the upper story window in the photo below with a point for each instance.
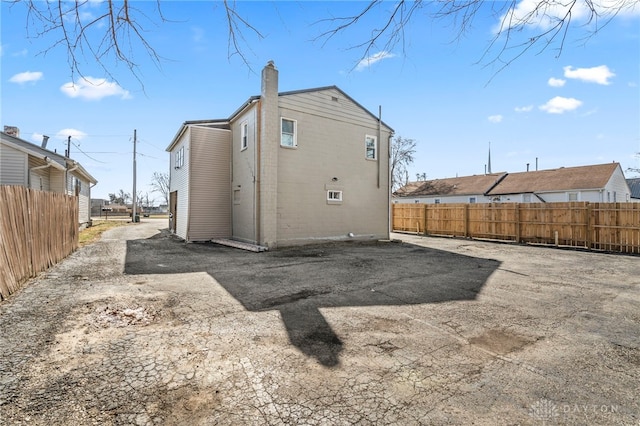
(573, 196)
(179, 160)
(472, 200)
(371, 147)
(288, 130)
(244, 135)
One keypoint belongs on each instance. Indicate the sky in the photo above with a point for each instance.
(555, 108)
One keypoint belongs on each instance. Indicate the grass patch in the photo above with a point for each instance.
(93, 233)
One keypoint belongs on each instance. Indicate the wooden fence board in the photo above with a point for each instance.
(598, 226)
(37, 230)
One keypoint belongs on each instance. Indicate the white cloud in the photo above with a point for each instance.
(560, 105)
(545, 15)
(495, 118)
(74, 133)
(93, 89)
(26, 77)
(556, 82)
(367, 62)
(599, 75)
(524, 108)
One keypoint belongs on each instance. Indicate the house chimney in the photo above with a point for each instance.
(269, 143)
(45, 139)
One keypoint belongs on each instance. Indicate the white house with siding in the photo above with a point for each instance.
(284, 169)
(594, 183)
(25, 164)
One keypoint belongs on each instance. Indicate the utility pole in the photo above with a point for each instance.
(133, 210)
(68, 147)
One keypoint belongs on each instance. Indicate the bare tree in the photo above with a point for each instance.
(120, 26)
(402, 151)
(120, 197)
(160, 183)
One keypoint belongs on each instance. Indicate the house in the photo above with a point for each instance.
(594, 183)
(634, 187)
(284, 169)
(463, 189)
(25, 164)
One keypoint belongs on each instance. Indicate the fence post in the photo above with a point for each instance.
(466, 220)
(589, 224)
(517, 217)
(424, 214)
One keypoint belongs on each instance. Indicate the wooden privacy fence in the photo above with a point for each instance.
(37, 230)
(599, 226)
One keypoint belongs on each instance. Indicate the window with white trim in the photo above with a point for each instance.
(333, 195)
(472, 200)
(244, 136)
(436, 201)
(371, 147)
(572, 196)
(526, 198)
(179, 160)
(288, 131)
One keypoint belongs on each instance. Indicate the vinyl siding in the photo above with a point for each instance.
(210, 195)
(331, 143)
(179, 181)
(618, 184)
(13, 166)
(39, 179)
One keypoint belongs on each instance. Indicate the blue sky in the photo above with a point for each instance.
(581, 107)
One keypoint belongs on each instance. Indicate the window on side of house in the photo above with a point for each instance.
(288, 133)
(526, 198)
(334, 197)
(179, 160)
(472, 200)
(572, 196)
(371, 147)
(244, 136)
(436, 201)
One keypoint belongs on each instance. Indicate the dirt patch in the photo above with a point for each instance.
(500, 341)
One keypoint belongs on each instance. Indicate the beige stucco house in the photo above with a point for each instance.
(284, 169)
(25, 164)
(593, 183)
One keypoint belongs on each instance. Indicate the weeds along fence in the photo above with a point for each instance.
(37, 230)
(613, 227)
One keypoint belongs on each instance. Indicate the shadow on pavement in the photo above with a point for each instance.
(298, 281)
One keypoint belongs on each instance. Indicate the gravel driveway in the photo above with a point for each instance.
(140, 328)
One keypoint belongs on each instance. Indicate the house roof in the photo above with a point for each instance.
(463, 185)
(58, 161)
(634, 186)
(562, 179)
(218, 122)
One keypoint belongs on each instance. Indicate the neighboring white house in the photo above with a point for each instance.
(284, 169)
(595, 183)
(25, 164)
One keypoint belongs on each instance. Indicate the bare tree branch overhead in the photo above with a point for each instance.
(112, 32)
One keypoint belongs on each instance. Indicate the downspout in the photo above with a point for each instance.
(47, 159)
(257, 154)
(379, 139)
(66, 176)
(389, 218)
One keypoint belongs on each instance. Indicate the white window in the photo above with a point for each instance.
(244, 135)
(288, 133)
(179, 161)
(573, 196)
(371, 147)
(472, 200)
(526, 198)
(334, 195)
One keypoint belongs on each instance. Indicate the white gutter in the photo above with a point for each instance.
(48, 160)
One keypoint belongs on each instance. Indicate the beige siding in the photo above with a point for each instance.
(13, 166)
(56, 180)
(244, 178)
(210, 196)
(179, 181)
(331, 144)
(39, 178)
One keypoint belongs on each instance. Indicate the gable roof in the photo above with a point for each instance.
(562, 179)
(220, 122)
(634, 186)
(58, 161)
(463, 185)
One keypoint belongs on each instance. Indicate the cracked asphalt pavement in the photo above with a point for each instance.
(142, 329)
